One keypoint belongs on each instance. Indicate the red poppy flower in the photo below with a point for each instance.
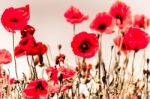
(19, 51)
(120, 44)
(140, 21)
(56, 88)
(28, 30)
(5, 56)
(53, 72)
(135, 39)
(25, 46)
(38, 49)
(66, 87)
(74, 16)
(27, 43)
(85, 45)
(15, 18)
(28, 46)
(36, 89)
(103, 23)
(122, 14)
(67, 72)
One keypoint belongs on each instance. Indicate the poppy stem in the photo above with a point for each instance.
(74, 32)
(132, 72)
(124, 69)
(144, 57)
(147, 75)
(100, 61)
(74, 29)
(72, 94)
(143, 60)
(13, 41)
(109, 66)
(48, 59)
(1, 87)
(34, 69)
(0, 69)
(49, 49)
(80, 74)
(30, 67)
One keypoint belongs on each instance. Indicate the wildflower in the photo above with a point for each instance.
(74, 16)
(5, 56)
(36, 89)
(135, 39)
(103, 23)
(15, 18)
(85, 45)
(121, 13)
(140, 21)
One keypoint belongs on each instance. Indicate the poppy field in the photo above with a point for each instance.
(84, 79)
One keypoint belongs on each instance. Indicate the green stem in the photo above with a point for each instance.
(47, 59)
(100, 61)
(34, 69)
(132, 73)
(14, 55)
(74, 32)
(74, 29)
(30, 67)
(124, 69)
(147, 93)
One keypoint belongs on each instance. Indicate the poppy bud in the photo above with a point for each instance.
(59, 47)
(28, 30)
(147, 61)
(60, 58)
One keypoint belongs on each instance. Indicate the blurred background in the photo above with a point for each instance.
(47, 16)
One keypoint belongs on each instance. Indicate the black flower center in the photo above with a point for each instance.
(84, 46)
(141, 25)
(39, 86)
(74, 17)
(21, 51)
(119, 17)
(14, 20)
(102, 26)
